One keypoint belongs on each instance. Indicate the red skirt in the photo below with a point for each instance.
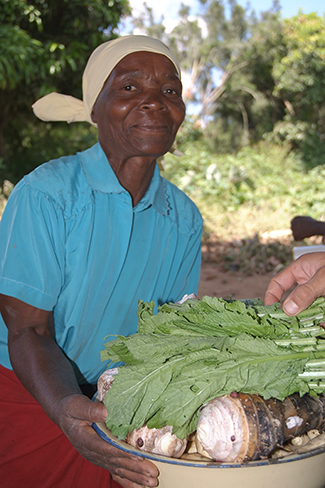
(34, 452)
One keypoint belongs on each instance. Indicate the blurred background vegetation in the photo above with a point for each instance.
(254, 86)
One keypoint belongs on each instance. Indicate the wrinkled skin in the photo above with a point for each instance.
(138, 114)
(35, 358)
(308, 273)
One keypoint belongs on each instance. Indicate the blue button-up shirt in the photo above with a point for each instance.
(71, 242)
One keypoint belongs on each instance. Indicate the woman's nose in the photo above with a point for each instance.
(153, 101)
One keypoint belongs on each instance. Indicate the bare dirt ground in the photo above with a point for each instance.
(216, 282)
(243, 268)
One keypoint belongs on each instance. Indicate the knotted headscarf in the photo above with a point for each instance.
(59, 107)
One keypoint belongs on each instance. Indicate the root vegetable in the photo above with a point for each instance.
(317, 441)
(244, 427)
(236, 427)
(158, 441)
(222, 430)
(194, 351)
(189, 353)
(104, 383)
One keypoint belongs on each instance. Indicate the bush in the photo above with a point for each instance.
(259, 190)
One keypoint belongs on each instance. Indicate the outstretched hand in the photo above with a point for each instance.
(77, 416)
(308, 273)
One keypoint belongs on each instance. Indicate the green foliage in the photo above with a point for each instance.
(32, 144)
(305, 138)
(249, 75)
(299, 71)
(44, 46)
(299, 74)
(257, 190)
(19, 55)
(212, 177)
(226, 179)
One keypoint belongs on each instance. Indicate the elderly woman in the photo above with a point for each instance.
(83, 238)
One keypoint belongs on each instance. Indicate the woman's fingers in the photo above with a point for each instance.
(130, 471)
(78, 415)
(132, 479)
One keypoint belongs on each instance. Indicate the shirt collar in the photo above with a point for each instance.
(101, 177)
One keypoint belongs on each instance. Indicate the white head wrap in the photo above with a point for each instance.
(59, 107)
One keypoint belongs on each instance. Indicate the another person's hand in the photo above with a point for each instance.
(304, 226)
(76, 418)
(308, 273)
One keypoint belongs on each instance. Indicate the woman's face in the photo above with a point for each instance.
(140, 107)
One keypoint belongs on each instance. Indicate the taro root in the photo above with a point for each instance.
(158, 441)
(222, 430)
(240, 428)
(105, 382)
(233, 428)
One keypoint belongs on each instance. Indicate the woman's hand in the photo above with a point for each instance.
(308, 273)
(47, 374)
(77, 413)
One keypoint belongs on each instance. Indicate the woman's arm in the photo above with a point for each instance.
(47, 374)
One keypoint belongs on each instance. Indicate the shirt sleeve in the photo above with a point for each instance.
(31, 247)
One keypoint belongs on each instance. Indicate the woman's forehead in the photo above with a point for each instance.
(141, 61)
(139, 66)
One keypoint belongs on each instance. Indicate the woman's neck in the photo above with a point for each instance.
(135, 175)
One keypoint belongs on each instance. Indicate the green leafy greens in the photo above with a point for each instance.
(190, 353)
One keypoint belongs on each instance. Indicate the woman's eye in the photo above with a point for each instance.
(172, 91)
(128, 88)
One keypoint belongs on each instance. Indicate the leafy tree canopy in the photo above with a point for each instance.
(44, 46)
(246, 77)
(299, 82)
(251, 77)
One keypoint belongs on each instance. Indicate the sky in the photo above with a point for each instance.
(169, 10)
(289, 8)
